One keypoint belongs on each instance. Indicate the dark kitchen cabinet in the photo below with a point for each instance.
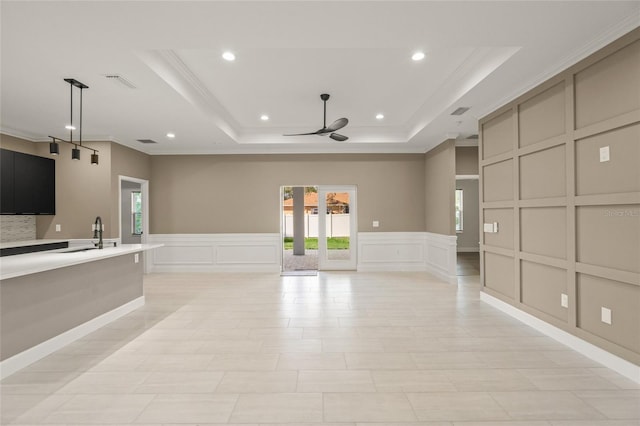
(7, 205)
(34, 185)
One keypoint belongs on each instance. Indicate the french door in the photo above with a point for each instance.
(337, 228)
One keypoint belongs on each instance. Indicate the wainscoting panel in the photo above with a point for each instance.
(216, 253)
(377, 251)
(408, 251)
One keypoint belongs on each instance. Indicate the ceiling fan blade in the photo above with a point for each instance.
(304, 134)
(337, 125)
(338, 137)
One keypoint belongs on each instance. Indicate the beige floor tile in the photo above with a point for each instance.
(504, 423)
(100, 409)
(447, 360)
(550, 405)
(182, 382)
(615, 378)
(566, 379)
(352, 344)
(312, 361)
(335, 381)
(29, 408)
(412, 381)
(176, 362)
(456, 406)
(594, 422)
(278, 408)
(226, 346)
(615, 404)
(104, 383)
(288, 346)
(380, 361)
(188, 408)
(258, 382)
(243, 362)
(367, 407)
(473, 380)
(401, 349)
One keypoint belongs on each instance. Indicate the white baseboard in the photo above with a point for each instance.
(31, 355)
(216, 253)
(587, 349)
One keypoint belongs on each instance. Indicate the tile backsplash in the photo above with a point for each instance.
(17, 228)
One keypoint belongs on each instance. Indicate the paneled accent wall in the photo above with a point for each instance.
(569, 222)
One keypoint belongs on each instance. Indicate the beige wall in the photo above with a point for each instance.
(20, 145)
(569, 223)
(466, 160)
(440, 185)
(84, 191)
(130, 163)
(241, 193)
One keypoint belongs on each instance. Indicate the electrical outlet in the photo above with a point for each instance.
(605, 315)
(604, 154)
(376, 224)
(58, 227)
(136, 258)
(564, 300)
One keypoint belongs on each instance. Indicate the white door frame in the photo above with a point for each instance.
(144, 185)
(324, 263)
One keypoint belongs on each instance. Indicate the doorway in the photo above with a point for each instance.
(133, 212)
(318, 228)
(467, 206)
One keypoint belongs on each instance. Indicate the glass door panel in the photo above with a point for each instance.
(337, 228)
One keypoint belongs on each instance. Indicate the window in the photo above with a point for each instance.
(459, 210)
(136, 213)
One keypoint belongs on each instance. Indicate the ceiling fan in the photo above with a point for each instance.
(336, 125)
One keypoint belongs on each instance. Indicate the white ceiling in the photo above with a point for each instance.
(478, 54)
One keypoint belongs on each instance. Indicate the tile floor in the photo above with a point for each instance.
(342, 349)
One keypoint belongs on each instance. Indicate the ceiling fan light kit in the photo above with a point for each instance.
(328, 130)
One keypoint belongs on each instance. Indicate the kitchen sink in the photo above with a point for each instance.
(79, 250)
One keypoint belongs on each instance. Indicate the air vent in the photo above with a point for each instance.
(473, 136)
(120, 79)
(146, 141)
(460, 111)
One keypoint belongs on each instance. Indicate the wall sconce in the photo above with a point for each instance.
(94, 158)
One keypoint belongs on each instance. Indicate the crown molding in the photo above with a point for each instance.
(608, 36)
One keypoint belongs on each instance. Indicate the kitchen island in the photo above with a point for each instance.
(50, 299)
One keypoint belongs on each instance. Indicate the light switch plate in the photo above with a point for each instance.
(488, 227)
(376, 224)
(136, 258)
(606, 315)
(58, 227)
(604, 154)
(564, 300)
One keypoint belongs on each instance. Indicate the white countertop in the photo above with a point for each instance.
(31, 263)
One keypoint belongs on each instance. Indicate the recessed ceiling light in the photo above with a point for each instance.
(228, 56)
(171, 135)
(264, 117)
(418, 56)
(70, 127)
(379, 116)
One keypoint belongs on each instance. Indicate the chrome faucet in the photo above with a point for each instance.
(97, 232)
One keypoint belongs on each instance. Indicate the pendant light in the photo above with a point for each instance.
(54, 148)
